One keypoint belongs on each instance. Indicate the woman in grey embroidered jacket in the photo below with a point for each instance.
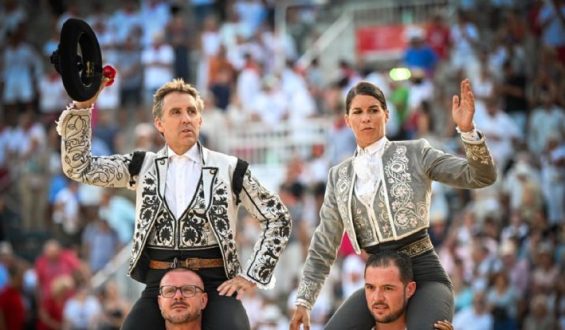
(187, 198)
(381, 198)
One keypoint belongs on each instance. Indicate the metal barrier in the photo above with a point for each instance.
(395, 12)
(116, 270)
(260, 144)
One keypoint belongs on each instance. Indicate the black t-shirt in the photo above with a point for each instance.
(512, 103)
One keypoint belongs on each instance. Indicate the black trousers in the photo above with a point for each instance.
(221, 313)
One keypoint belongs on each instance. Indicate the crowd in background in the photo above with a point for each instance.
(503, 246)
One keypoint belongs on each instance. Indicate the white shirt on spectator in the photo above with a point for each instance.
(543, 124)
(158, 62)
(467, 319)
(66, 211)
(52, 94)
(499, 130)
(82, 314)
(124, 23)
(248, 86)
(271, 106)
(353, 269)
(155, 15)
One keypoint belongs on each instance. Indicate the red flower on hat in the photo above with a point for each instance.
(109, 72)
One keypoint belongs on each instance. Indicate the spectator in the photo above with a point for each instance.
(552, 21)
(545, 271)
(52, 95)
(210, 42)
(352, 273)
(155, 16)
(539, 317)
(157, 59)
(130, 70)
(518, 268)
(114, 307)
(438, 36)
(99, 243)
(465, 38)
(546, 121)
(522, 187)
(553, 179)
(119, 213)
(419, 55)
(501, 131)
(66, 214)
(221, 77)
(32, 165)
(214, 123)
(178, 34)
(22, 69)
(503, 299)
(513, 93)
(252, 13)
(54, 263)
(12, 310)
(248, 83)
(126, 20)
(82, 310)
(475, 317)
(271, 105)
(12, 16)
(52, 305)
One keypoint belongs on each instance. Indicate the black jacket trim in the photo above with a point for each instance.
(237, 179)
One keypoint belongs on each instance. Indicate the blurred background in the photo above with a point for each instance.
(273, 75)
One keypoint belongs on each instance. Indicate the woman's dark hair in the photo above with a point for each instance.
(365, 88)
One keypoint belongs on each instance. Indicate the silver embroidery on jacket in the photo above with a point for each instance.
(478, 152)
(269, 247)
(406, 215)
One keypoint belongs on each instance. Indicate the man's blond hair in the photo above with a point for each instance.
(176, 85)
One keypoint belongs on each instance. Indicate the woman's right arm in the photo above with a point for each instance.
(322, 252)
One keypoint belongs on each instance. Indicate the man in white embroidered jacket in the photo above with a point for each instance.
(186, 208)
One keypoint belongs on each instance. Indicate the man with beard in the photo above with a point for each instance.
(389, 283)
(182, 299)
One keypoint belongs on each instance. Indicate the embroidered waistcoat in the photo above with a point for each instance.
(400, 207)
(217, 199)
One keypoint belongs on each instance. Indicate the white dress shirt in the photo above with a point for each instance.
(183, 175)
(367, 165)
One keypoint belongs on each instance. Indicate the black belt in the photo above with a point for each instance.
(189, 263)
(418, 247)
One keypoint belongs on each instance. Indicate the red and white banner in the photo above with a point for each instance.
(381, 39)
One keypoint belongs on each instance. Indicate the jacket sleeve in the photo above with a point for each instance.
(323, 248)
(477, 170)
(76, 159)
(275, 222)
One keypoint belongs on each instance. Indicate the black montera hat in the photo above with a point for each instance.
(78, 60)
